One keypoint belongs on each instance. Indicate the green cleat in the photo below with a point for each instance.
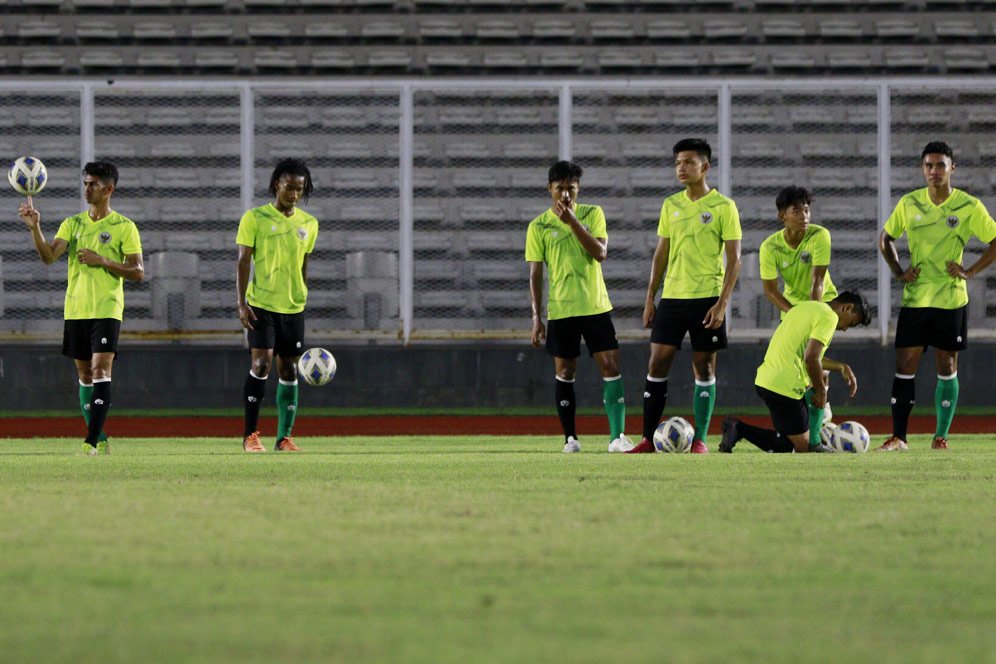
(104, 446)
(88, 450)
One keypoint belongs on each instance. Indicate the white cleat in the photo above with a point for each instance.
(827, 413)
(621, 444)
(572, 445)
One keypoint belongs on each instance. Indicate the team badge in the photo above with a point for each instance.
(105, 237)
(806, 257)
(952, 221)
(705, 217)
(302, 233)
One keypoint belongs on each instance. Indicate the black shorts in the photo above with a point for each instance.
(946, 329)
(676, 317)
(83, 337)
(789, 416)
(281, 333)
(563, 335)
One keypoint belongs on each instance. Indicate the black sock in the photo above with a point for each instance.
(654, 400)
(99, 405)
(903, 397)
(768, 440)
(252, 393)
(566, 406)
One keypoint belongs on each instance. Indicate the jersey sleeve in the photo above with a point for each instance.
(821, 248)
(664, 225)
(598, 227)
(982, 225)
(824, 326)
(895, 225)
(131, 243)
(730, 229)
(534, 244)
(768, 264)
(313, 239)
(247, 231)
(65, 231)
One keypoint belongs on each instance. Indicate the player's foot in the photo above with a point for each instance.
(645, 447)
(699, 447)
(286, 444)
(939, 443)
(104, 446)
(821, 449)
(88, 450)
(621, 444)
(572, 445)
(827, 413)
(252, 444)
(730, 435)
(893, 444)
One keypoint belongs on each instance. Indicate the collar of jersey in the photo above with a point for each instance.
(684, 192)
(281, 215)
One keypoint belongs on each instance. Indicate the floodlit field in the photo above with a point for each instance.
(494, 549)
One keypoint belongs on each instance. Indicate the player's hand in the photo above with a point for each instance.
(820, 396)
(649, 313)
(539, 333)
(564, 209)
(30, 216)
(246, 316)
(957, 271)
(714, 317)
(850, 379)
(910, 275)
(89, 257)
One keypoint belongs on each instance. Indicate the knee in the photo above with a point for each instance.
(703, 371)
(86, 375)
(946, 366)
(566, 373)
(610, 369)
(101, 373)
(261, 367)
(287, 371)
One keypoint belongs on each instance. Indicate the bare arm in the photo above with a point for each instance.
(845, 372)
(304, 269)
(814, 369)
(774, 295)
(597, 248)
(133, 269)
(985, 260)
(47, 252)
(717, 312)
(536, 302)
(246, 316)
(887, 247)
(819, 275)
(657, 268)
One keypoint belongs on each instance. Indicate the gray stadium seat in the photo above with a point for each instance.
(440, 28)
(897, 28)
(506, 60)
(554, 28)
(758, 148)
(497, 28)
(270, 29)
(169, 116)
(42, 59)
(965, 58)
(332, 59)
(154, 30)
(669, 29)
(211, 30)
(849, 59)
(733, 57)
(783, 27)
(793, 59)
(101, 59)
(389, 58)
(383, 29)
(812, 115)
(679, 59)
(840, 28)
(449, 59)
(275, 59)
(97, 30)
(958, 28)
(611, 28)
(619, 59)
(724, 28)
(38, 29)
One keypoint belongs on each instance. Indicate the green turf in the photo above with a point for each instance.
(494, 550)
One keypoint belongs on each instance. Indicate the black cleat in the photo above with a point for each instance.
(730, 435)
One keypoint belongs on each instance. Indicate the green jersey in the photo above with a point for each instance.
(784, 369)
(796, 265)
(279, 246)
(938, 234)
(577, 287)
(92, 291)
(697, 231)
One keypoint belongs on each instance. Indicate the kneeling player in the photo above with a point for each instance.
(793, 362)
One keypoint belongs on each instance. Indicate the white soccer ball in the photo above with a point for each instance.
(826, 433)
(27, 176)
(316, 366)
(850, 437)
(674, 435)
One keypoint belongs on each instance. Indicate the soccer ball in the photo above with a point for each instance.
(674, 435)
(316, 366)
(27, 176)
(850, 437)
(826, 433)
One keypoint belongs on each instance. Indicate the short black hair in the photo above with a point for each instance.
(937, 147)
(564, 170)
(295, 167)
(105, 171)
(859, 302)
(792, 195)
(698, 145)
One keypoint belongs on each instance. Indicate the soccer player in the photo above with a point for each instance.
(104, 249)
(275, 241)
(697, 226)
(800, 254)
(794, 362)
(570, 239)
(939, 220)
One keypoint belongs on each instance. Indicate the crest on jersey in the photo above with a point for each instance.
(105, 237)
(705, 217)
(302, 233)
(952, 221)
(806, 257)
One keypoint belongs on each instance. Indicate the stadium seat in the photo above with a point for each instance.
(840, 28)
(793, 59)
(783, 28)
(957, 28)
(807, 115)
(849, 59)
(906, 58)
(383, 29)
(269, 29)
(505, 60)
(332, 59)
(668, 29)
(497, 29)
(216, 59)
(42, 59)
(554, 28)
(97, 30)
(897, 28)
(758, 148)
(733, 57)
(158, 59)
(212, 30)
(389, 59)
(39, 30)
(679, 59)
(275, 59)
(154, 31)
(103, 59)
(440, 28)
(966, 59)
(611, 29)
(619, 59)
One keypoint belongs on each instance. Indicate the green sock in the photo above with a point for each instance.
(945, 401)
(815, 419)
(614, 400)
(702, 404)
(86, 396)
(286, 408)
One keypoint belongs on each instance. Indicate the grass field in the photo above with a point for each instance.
(494, 550)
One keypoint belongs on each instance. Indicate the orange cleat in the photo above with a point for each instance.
(644, 447)
(893, 444)
(252, 444)
(698, 447)
(939, 443)
(286, 444)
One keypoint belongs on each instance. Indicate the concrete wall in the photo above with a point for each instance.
(497, 375)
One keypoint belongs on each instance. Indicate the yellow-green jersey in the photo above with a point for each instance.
(577, 287)
(938, 234)
(92, 291)
(279, 246)
(697, 231)
(796, 265)
(784, 368)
